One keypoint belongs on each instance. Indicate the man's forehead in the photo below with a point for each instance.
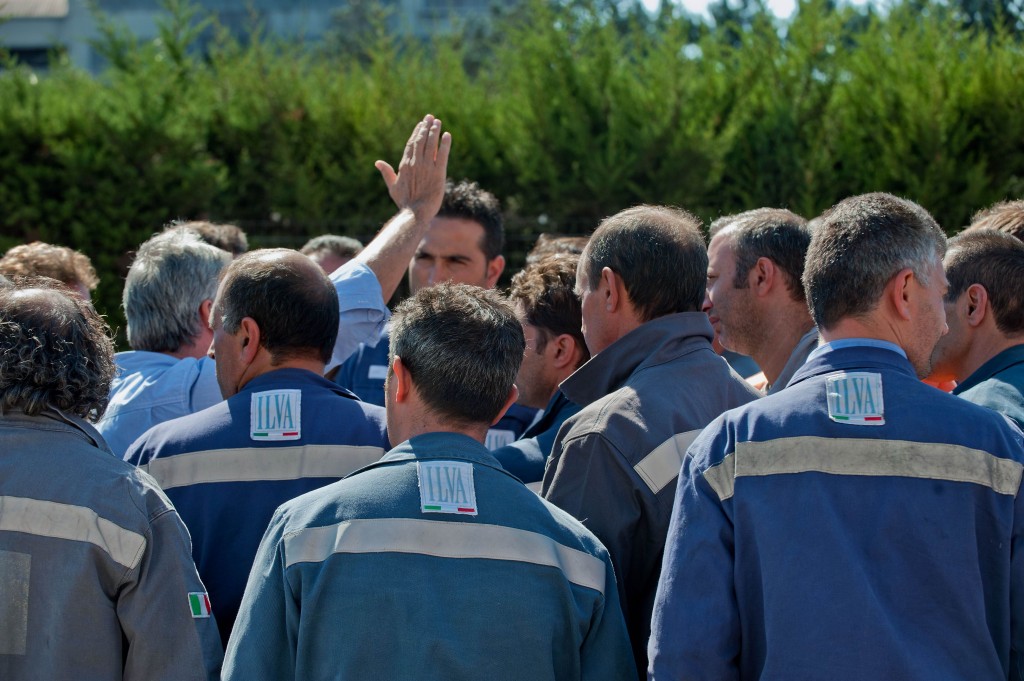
(449, 236)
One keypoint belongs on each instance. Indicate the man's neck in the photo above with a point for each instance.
(187, 351)
(258, 369)
(982, 349)
(779, 343)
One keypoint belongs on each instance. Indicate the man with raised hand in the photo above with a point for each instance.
(97, 577)
(653, 382)
(172, 281)
(755, 299)
(860, 524)
(433, 563)
(463, 246)
(984, 349)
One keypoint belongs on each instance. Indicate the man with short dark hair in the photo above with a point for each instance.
(97, 578)
(463, 246)
(170, 289)
(860, 524)
(283, 430)
(37, 259)
(331, 251)
(754, 298)
(653, 382)
(544, 297)
(468, 574)
(984, 349)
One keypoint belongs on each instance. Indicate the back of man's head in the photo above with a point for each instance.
(467, 201)
(289, 297)
(462, 346)
(773, 233)
(38, 259)
(55, 351)
(173, 273)
(996, 261)
(224, 236)
(553, 244)
(546, 292)
(659, 253)
(1007, 216)
(337, 245)
(860, 244)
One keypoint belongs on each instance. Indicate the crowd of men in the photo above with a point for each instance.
(284, 480)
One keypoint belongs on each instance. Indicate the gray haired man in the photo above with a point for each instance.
(95, 564)
(860, 524)
(171, 285)
(755, 300)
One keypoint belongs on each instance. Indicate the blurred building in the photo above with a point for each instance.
(32, 30)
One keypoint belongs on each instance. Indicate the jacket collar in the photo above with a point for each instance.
(293, 378)
(440, 446)
(826, 360)
(657, 341)
(56, 419)
(1001, 362)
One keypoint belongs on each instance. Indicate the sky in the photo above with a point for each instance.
(782, 8)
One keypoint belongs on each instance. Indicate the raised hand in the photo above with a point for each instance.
(418, 185)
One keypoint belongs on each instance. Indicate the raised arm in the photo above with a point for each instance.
(417, 188)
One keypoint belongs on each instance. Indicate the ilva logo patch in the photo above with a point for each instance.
(446, 487)
(276, 415)
(855, 398)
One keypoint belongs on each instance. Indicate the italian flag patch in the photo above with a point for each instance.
(199, 603)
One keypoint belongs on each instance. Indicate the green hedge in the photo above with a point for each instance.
(567, 116)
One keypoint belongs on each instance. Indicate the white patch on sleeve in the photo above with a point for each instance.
(377, 372)
(15, 570)
(276, 415)
(446, 487)
(855, 398)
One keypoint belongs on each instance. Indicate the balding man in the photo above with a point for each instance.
(653, 382)
(96, 577)
(860, 524)
(754, 298)
(984, 349)
(283, 430)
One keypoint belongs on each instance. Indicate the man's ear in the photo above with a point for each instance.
(612, 288)
(249, 339)
(976, 301)
(762, 276)
(899, 293)
(494, 269)
(205, 308)
(513, 395)
(563, 350)
(402, 379)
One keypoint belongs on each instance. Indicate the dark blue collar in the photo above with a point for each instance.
(1001, 362)
(827, 359)
(293, 378)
